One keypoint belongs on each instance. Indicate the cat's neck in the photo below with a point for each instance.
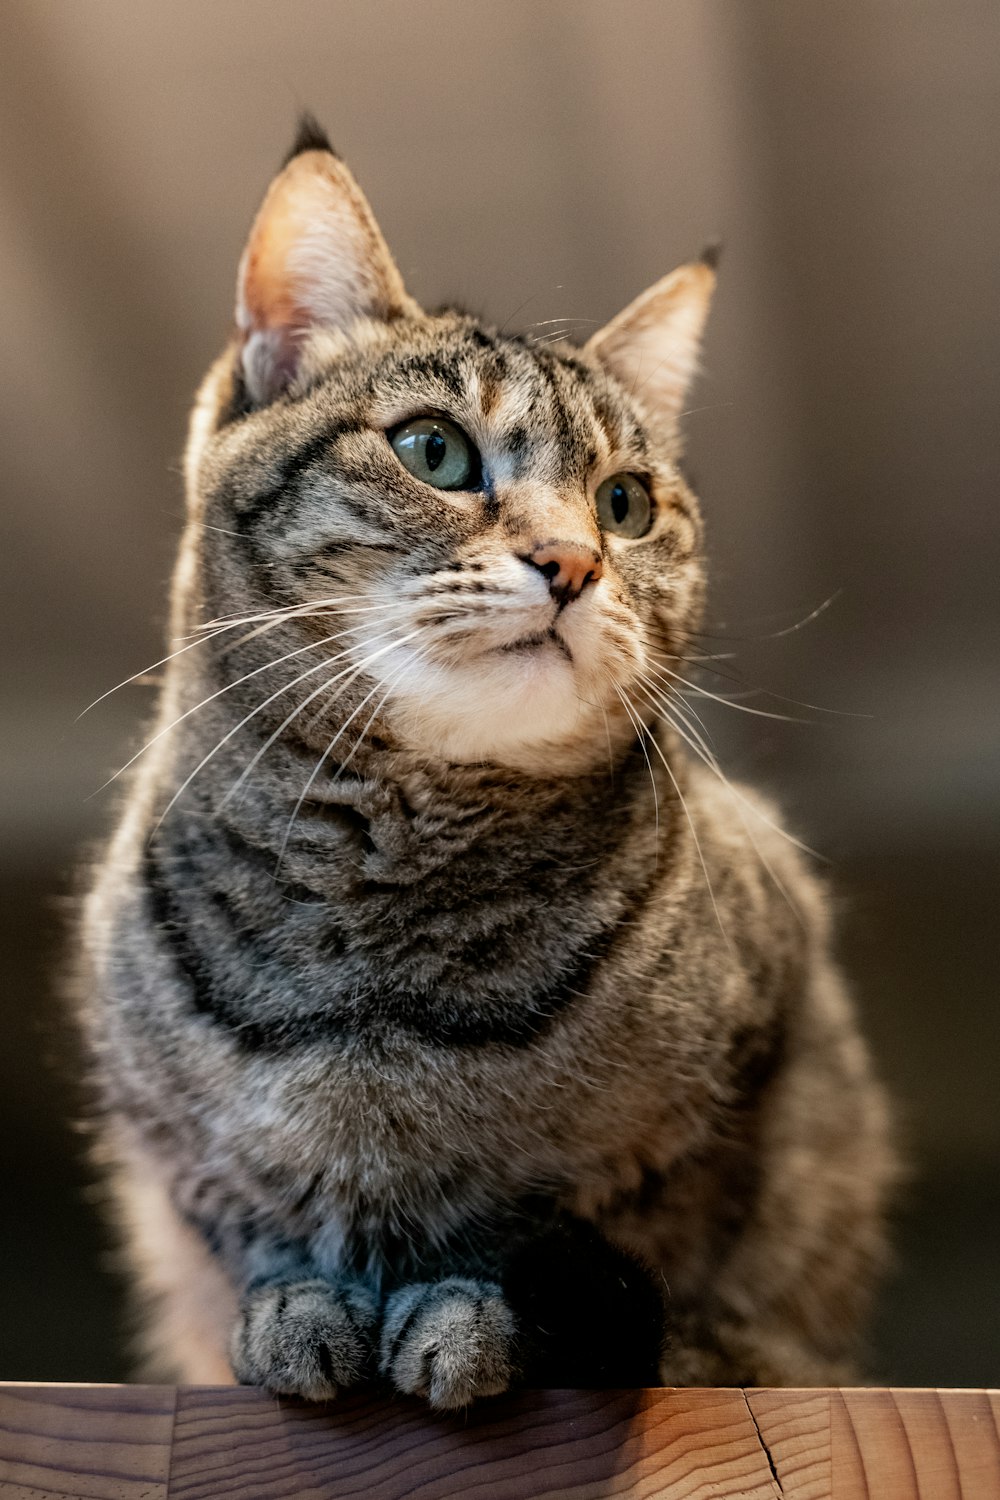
(306, 792)
(384, 814)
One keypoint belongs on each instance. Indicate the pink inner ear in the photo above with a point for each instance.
(268, 296)
(653, 344)
(268, 314)
(315, 258)
(271, 312)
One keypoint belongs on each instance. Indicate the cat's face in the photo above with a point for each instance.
(490, 537)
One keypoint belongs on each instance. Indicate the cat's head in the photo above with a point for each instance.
(489, 535)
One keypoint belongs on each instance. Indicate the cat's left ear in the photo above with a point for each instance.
(652, 347)
(315, 259)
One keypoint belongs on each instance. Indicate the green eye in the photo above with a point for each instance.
(437, 452)
(624, 506)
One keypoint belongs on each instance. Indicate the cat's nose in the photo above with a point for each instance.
(568, 567)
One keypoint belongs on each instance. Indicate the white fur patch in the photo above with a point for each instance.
(490, 683)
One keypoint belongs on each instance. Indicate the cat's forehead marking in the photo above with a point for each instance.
(546, 412)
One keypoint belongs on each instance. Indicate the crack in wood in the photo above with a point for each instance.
(775, 1476)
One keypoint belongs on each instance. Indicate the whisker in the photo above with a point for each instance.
(706, 756)
(211, 629)
(730, 674)
(807, 620)
(284, 612)
(694, 411)
(744, 708)
(640, 727)
(543, 322)
(204, 525)
(271, 619)
(285, 688)
(201, 641)
(264, 667)
(694, 834)
(503, 327)
(354, 670)
(672, 691)
(611, 758)
(776, 635)
(250, 636)
(323, 758)
(751, 692)
(417, 656)
(665, 702)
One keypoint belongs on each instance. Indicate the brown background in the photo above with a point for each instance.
(539, 159)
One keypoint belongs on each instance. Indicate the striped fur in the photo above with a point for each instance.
(431, 1004)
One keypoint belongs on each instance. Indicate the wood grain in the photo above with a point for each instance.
(105, 1442)
(794, 1426)
(204, 1442)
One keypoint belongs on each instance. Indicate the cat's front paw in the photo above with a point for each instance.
(305, 1338)
(451, 1341)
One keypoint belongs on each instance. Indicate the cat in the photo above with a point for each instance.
(454, 1024)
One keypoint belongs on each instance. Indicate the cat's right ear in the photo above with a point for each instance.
(315, 259)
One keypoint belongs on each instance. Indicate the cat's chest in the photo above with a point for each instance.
(468, 956)
(380, 1165)
(349, 1151)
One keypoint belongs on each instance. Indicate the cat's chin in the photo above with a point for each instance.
(521, 706)
(539, 644)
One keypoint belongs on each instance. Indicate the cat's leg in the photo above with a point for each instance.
(557, 1306)
(772, 1242)
(186, 1304)
(296, 1332)
(225, 1297)
(305, 1337)
(799, 1278)
(451, 1341)
(588, 1313)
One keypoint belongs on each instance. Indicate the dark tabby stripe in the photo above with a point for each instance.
(246, 511)
(416, 1311)
(485, 1021)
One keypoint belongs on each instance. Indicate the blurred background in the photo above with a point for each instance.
(539, 159)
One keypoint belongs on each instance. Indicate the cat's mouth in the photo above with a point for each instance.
(539, 640)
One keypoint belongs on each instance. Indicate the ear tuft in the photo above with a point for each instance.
(711, 255)
(309, 136)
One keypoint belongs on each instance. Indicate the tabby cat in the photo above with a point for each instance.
(454, 1025)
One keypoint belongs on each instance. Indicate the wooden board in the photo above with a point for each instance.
(202, 1442)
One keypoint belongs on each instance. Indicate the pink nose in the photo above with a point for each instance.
(568, 566)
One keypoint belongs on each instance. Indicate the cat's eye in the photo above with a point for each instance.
(437, 452)
(624, 506)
